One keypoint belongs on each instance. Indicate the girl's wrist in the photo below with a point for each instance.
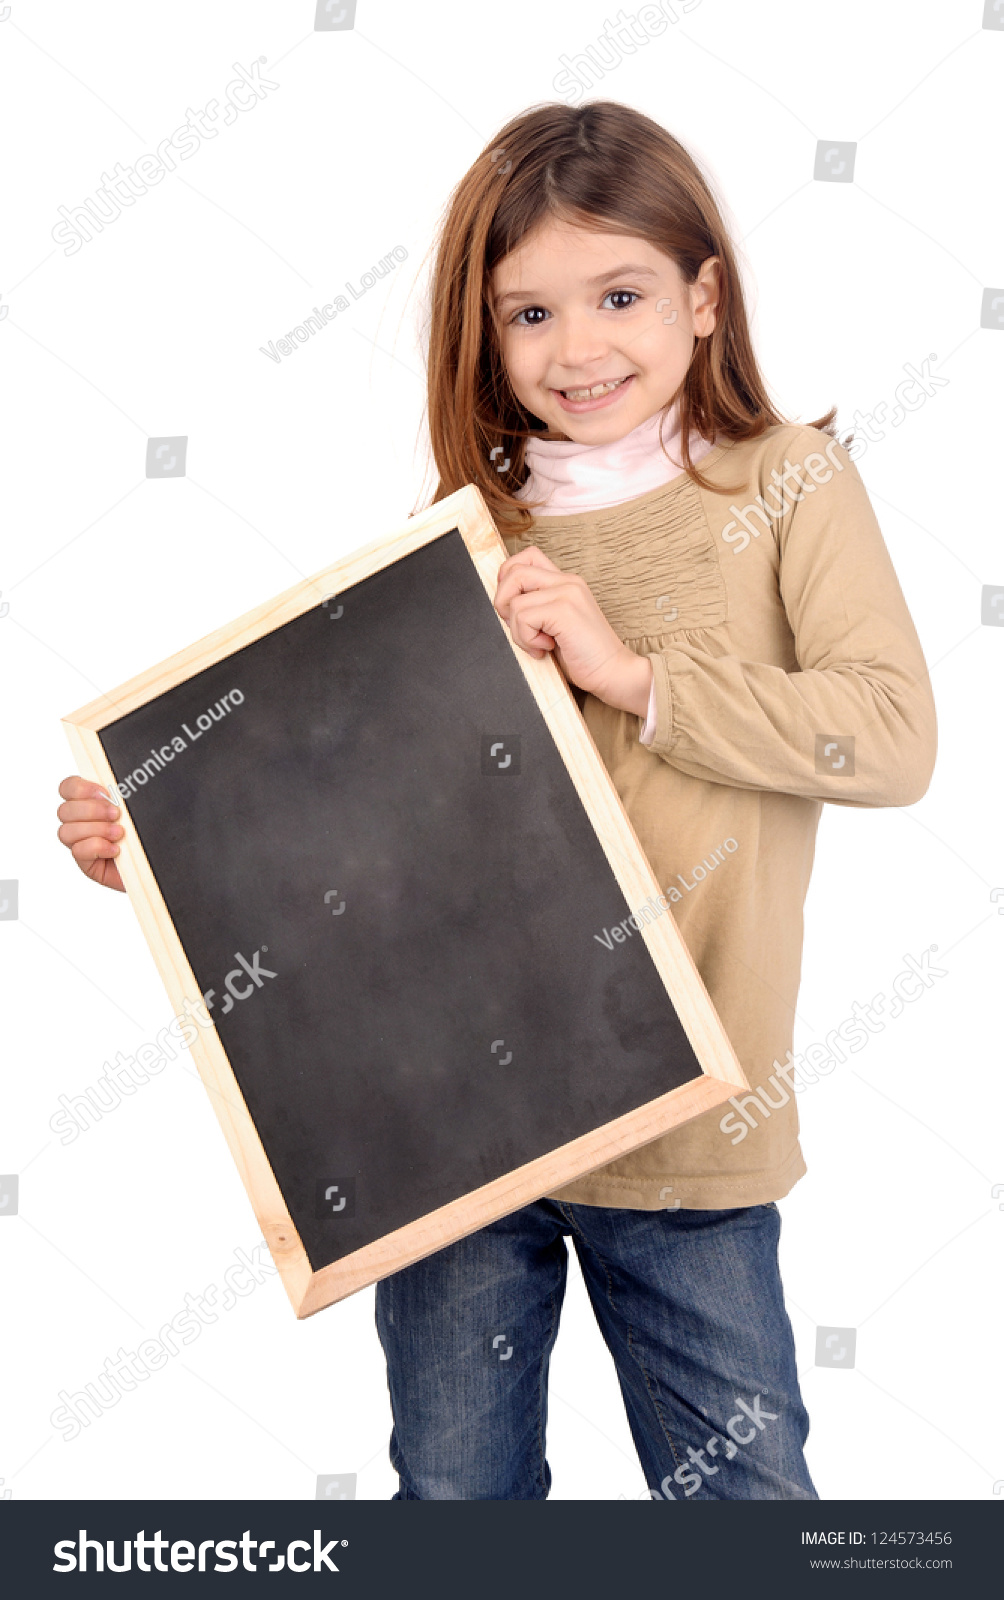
(630, 688)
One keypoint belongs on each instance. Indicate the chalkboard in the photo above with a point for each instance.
(375, 839)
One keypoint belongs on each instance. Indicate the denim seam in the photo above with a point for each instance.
(630, 1344)
(540, 1394)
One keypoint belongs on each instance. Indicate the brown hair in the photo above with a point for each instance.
(605, 166)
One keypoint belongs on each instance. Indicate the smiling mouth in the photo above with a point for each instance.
(596, 391)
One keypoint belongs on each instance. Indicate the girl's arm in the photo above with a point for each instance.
(861, 672)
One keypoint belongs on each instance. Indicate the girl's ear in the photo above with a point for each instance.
(704, 295)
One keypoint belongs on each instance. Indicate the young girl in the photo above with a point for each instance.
(713, 583)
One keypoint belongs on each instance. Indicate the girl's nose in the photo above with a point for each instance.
(579, 348)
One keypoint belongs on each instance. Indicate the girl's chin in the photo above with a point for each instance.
(594, 428)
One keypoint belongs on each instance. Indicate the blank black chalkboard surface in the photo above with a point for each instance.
(377, 858)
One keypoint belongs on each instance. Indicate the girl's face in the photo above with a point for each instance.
(597, 330)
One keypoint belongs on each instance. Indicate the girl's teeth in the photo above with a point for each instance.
(593, 393)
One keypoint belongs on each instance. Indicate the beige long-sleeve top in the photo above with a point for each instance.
(787, 672)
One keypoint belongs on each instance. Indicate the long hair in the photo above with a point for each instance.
(607, 167)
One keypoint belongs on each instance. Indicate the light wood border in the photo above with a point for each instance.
(722, 1074)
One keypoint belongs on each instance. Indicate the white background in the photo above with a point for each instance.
(155, 327)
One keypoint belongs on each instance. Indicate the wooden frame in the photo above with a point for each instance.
(722, 1075)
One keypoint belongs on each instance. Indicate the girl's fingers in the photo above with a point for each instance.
(530, 637)
(551, 611)
(86, 811)
(93, 849)
(527, 558)
(555, 596)
(539, 646)
(72, 833)
(531, 569)
(88, 830)
(77, 788)
(525, 579)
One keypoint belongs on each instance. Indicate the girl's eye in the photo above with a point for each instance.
(536, 315)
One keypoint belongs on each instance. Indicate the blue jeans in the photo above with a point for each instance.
(691, 1307)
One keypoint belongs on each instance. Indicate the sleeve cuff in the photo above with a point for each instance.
(660, 732)
(648, 731)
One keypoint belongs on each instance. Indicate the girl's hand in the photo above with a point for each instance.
(547, 609)
(89, 830)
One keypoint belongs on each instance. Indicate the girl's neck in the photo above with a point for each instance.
(572, 477)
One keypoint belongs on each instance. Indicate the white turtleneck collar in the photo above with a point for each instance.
(572, 477)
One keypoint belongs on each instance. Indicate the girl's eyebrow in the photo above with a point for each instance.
(591, 283)
(618, 272)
